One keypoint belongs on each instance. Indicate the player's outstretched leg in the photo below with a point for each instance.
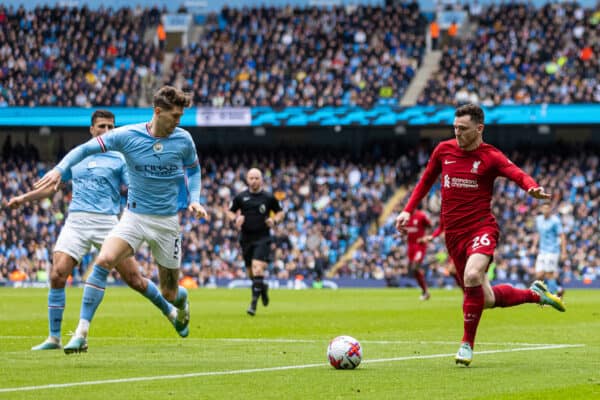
(547, 298)
(56, 308)
(464, 355)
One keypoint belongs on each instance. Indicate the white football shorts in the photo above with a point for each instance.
(162, 233)
(83, 230)
(547, 262)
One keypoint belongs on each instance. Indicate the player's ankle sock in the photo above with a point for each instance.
(472, 308)
(552, 285)
(181, 298)
(153, 294)
(56, 308)
(82, 328)
(257, 287)
(93, 292)
(420, 277)
(508, 296)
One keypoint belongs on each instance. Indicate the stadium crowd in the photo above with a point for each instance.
(329, 203)
(521, 54)
(304, 57)
(61, 56)
(352, 55)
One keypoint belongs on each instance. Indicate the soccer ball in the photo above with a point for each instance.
(344, 352)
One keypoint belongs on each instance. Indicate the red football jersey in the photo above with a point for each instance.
(416, 226)
(467, 182)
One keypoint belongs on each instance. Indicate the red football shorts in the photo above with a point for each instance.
(416, 252)
(461, 245)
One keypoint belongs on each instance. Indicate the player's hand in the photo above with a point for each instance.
(51, 179)
(425, 239)
(197, 210)
(15, 202)
(239, 221)
(270, 222)
(401, 221)
(538, 193)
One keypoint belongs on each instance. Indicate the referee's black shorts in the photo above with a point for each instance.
(259, 249)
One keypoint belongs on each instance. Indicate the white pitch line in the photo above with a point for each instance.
(284, 340)
(256, 370)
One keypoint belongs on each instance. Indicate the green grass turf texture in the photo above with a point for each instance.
(131, 339)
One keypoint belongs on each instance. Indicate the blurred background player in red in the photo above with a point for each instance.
(416, 229)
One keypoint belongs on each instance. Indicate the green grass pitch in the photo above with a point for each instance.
(526, 352)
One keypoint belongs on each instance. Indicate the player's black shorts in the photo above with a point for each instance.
(256, 250)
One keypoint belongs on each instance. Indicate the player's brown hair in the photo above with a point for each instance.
(102, 114)
(473, 110)
(168, 97)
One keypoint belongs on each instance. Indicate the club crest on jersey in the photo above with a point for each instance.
(157, 147)
(446, 181)
(262, 209)
(475, 166)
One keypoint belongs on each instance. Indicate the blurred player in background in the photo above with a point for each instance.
(416, 238)
(468, 167)
(552, 248)
(95, 204)
(255, 211)
(157, 154)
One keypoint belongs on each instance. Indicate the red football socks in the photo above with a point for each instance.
(473, 303)
(420, 277)
(508, 296)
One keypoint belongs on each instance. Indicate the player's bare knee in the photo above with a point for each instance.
(472, 277)
(107, 261)
(58, 278)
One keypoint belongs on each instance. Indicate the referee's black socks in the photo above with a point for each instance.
(257, 288)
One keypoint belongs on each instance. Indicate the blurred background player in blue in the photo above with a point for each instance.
(552, 248)
(157, 154)
(95, 205)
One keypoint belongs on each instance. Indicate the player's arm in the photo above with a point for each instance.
(277, 213)
(53, 177)
(32, 195)
(509, 170)
(563, 246)
(432, 171)
(534, 244)
(275, 219)
(195, 180)
(37, 194)
(234, 213)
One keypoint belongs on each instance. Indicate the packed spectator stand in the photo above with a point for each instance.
(75, 57)
(520, 54)
(304, 57)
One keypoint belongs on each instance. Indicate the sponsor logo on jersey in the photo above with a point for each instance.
(463, 183)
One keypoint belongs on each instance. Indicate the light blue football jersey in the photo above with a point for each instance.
(549, 230)
(97, 183)
(156, 166)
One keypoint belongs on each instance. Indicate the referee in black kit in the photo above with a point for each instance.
(255, 212)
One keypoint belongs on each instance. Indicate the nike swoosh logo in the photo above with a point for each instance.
(449, 162)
